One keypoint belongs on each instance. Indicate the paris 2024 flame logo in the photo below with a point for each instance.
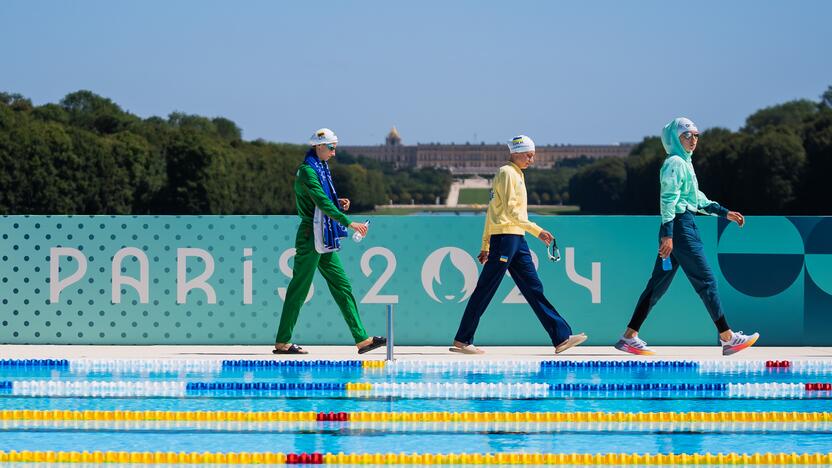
(462, 261)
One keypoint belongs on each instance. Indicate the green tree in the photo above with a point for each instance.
(599, 187)
(826, 98)
(264, 178)
(642, 166)
(196, 123)
(227, 130)
(769, 170)
(790, 114)
(51, 113)
(816, 191)
(93, 112)
(534, 198)
(145, 170)
(716, 162)
(16, 102)
(46, 174)
(105, 188)
(199, 176)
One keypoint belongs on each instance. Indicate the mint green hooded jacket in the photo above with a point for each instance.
(679, 186)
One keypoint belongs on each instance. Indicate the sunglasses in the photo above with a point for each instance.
(330, 146)
(689, 135)
(552, 252)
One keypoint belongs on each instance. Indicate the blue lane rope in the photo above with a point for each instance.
(35, 363)
(270, 364)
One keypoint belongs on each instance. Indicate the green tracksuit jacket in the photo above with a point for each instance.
(679, 186)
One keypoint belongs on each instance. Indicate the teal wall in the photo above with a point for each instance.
(775, 276)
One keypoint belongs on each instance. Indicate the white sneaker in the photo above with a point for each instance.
(634, 345)
(737, 343)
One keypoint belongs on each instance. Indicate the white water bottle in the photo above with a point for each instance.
(356, 236)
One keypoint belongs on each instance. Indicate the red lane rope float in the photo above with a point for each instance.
(305, 459)
(332, 416)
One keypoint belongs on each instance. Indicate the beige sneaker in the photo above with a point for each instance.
(573, 340)
(470, 349)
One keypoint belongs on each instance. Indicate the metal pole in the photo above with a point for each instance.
(389, 332)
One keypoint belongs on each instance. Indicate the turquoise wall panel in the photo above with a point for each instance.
(773, 275)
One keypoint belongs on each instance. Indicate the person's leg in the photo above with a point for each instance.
(339, 285)
(523, 273)
(695, 265)
(306, 261)
(656, 287)
(690, 253)
(499, 255)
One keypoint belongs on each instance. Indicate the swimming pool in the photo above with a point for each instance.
(416, 412)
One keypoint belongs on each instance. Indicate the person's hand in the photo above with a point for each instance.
(736, 217)
(359, 227)
(666, 247)
(483, 256)
(345, 203)
(546, 237)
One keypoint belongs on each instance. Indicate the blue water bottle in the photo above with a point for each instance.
(666, 265)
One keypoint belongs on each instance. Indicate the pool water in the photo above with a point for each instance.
(107, 389)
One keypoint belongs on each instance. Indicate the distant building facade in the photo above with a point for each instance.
(475, 158)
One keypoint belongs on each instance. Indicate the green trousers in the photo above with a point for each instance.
(307, 259)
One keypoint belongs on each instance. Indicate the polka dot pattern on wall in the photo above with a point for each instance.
(85, 312)
(389, 263)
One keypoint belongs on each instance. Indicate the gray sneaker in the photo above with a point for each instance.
(737, 343)
(634, 345)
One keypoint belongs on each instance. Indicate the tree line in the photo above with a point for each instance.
(86, 155)
(551, 187)
(778, 163)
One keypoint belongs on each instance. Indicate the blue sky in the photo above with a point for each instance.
(441, 71)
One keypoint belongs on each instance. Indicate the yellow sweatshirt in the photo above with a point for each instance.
(508, 211)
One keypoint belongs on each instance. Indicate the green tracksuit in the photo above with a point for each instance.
(309, 194)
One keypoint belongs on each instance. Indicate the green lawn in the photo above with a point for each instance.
(544, 210)
(474, 196)
(385, 210)
(556, 210)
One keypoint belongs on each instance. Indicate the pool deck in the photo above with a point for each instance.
(432, 353)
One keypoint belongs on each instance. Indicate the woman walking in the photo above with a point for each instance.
(322, 226)
(680, 245)
(504, 249)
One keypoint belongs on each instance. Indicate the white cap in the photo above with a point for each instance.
(521, 144)
(685, 125)
(323, 136)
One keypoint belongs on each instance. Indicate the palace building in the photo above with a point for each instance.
(475, 158)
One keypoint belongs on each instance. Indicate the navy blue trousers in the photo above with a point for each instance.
(509, 252)
(688, 253)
